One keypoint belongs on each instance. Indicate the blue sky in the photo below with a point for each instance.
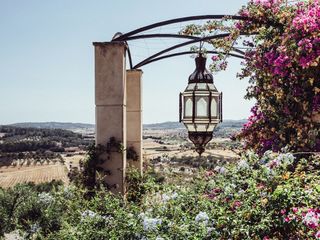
(47, 64)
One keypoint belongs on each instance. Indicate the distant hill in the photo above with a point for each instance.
(53, 125)
(164, 125)
(177, 125)
(226, 124)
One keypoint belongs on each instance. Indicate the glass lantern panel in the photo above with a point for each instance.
(191, 128)
(191, 86)
(214, 107)
(211, 87)
(202, 108)
(202, 86)
(188, 108)
(202, 127)
(211, 127)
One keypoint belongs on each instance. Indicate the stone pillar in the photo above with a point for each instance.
(110, 101)
(134, 116)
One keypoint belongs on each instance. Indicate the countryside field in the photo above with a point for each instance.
(10, 176)
(164, 146)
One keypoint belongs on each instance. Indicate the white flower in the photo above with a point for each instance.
(268, 153)
(67, 192)
(174, 195)
(252, 156)
(150, 224)
(281, 159)
(285, 158)
(45, 198)
(241, 191)
(210, 229)
(311, 219)
(88, 214)
(243, 164)
(142, 215)
(202, 217)
(221, 170)
(34, 228)
(167, 197)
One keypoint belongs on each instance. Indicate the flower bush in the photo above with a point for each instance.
(251, 199)
(282, 64)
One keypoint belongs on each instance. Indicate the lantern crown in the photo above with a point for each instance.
(200, 74)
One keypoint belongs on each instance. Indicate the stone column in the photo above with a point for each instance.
(110, 101)
(134, 116)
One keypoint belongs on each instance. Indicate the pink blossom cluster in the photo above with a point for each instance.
(256, 115)
(214, 193)
(308, 51)
(309, 217)
(308, 20)
(266, 3)
(236, 204)
(277, 62)
(290, 216)
(279, 70)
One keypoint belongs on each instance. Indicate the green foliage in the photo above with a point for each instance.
(92, 174)
(256, 198)
(138, 185)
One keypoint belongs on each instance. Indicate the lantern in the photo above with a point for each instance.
(200, 106)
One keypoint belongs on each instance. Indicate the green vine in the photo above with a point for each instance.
(132, 154)
(91, 174)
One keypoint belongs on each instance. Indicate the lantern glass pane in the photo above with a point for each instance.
(191, 86)
(188, 108)
(211, 86)
(202, 108)
(190, 127)
(202, 127)
(202, 86)
(214, 107)
(211, 127)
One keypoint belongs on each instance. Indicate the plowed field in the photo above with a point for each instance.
(38, 174)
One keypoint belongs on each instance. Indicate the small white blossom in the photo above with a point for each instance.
(45, 198)
(221, 170)
(252, 156)
(88, 214)
(241, 191)
(285, 158)
(150, 224)
(202, 217)
(67, 192)
(34, 228)
(281, 159)
(142, 215)
(167, 197)
(243, 164)
(210, 229)
(311, 219)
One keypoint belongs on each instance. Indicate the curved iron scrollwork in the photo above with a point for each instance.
(135, 34)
